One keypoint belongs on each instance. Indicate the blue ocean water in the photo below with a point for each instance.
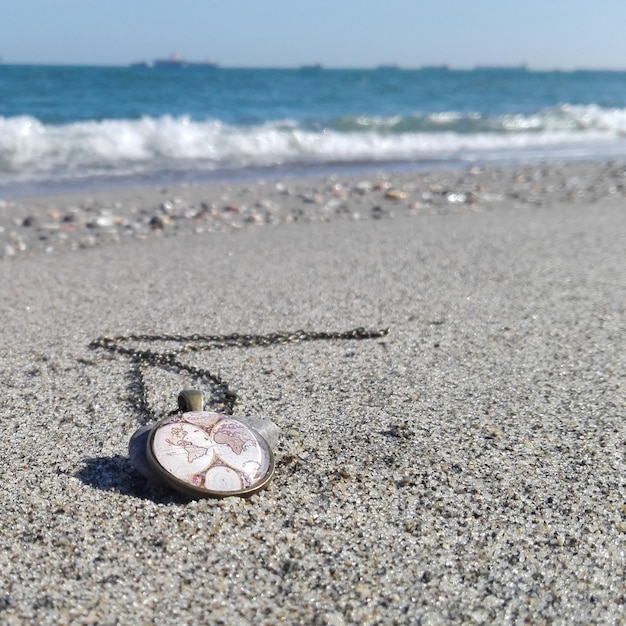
(85, 127)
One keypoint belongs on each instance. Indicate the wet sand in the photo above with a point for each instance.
(467, 468)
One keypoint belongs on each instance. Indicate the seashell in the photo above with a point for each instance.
(137, 451)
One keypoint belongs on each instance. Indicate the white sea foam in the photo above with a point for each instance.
(31, 150)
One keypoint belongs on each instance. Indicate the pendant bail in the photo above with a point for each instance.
(190, 400)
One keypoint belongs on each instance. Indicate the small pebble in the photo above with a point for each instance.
(158, 222)
(396, 194)
(106, 220)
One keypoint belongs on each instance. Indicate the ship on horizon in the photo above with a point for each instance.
(311, 67)
(522, 67)
(442, 67)
(175, 60)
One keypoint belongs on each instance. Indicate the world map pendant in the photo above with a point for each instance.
(206, 454)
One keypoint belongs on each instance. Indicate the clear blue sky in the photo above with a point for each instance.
(337, 33)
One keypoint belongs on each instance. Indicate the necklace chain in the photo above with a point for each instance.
(143, 358)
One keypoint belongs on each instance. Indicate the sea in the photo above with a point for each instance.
(65, 128)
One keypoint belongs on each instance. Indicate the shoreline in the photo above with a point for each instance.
(73, 221)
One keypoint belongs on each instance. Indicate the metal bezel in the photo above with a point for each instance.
(198, 492)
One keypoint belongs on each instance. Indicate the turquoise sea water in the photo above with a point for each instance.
(78, 127)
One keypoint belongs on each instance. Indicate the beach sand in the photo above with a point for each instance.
(467, 468)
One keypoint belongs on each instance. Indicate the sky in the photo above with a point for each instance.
(544, 34)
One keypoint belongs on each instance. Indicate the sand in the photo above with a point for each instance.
(467, 468)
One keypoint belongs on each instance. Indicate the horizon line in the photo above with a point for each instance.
(521, 67)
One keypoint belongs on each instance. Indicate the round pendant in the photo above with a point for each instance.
(207, 454)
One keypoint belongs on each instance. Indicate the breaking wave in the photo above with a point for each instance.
(31, 150)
